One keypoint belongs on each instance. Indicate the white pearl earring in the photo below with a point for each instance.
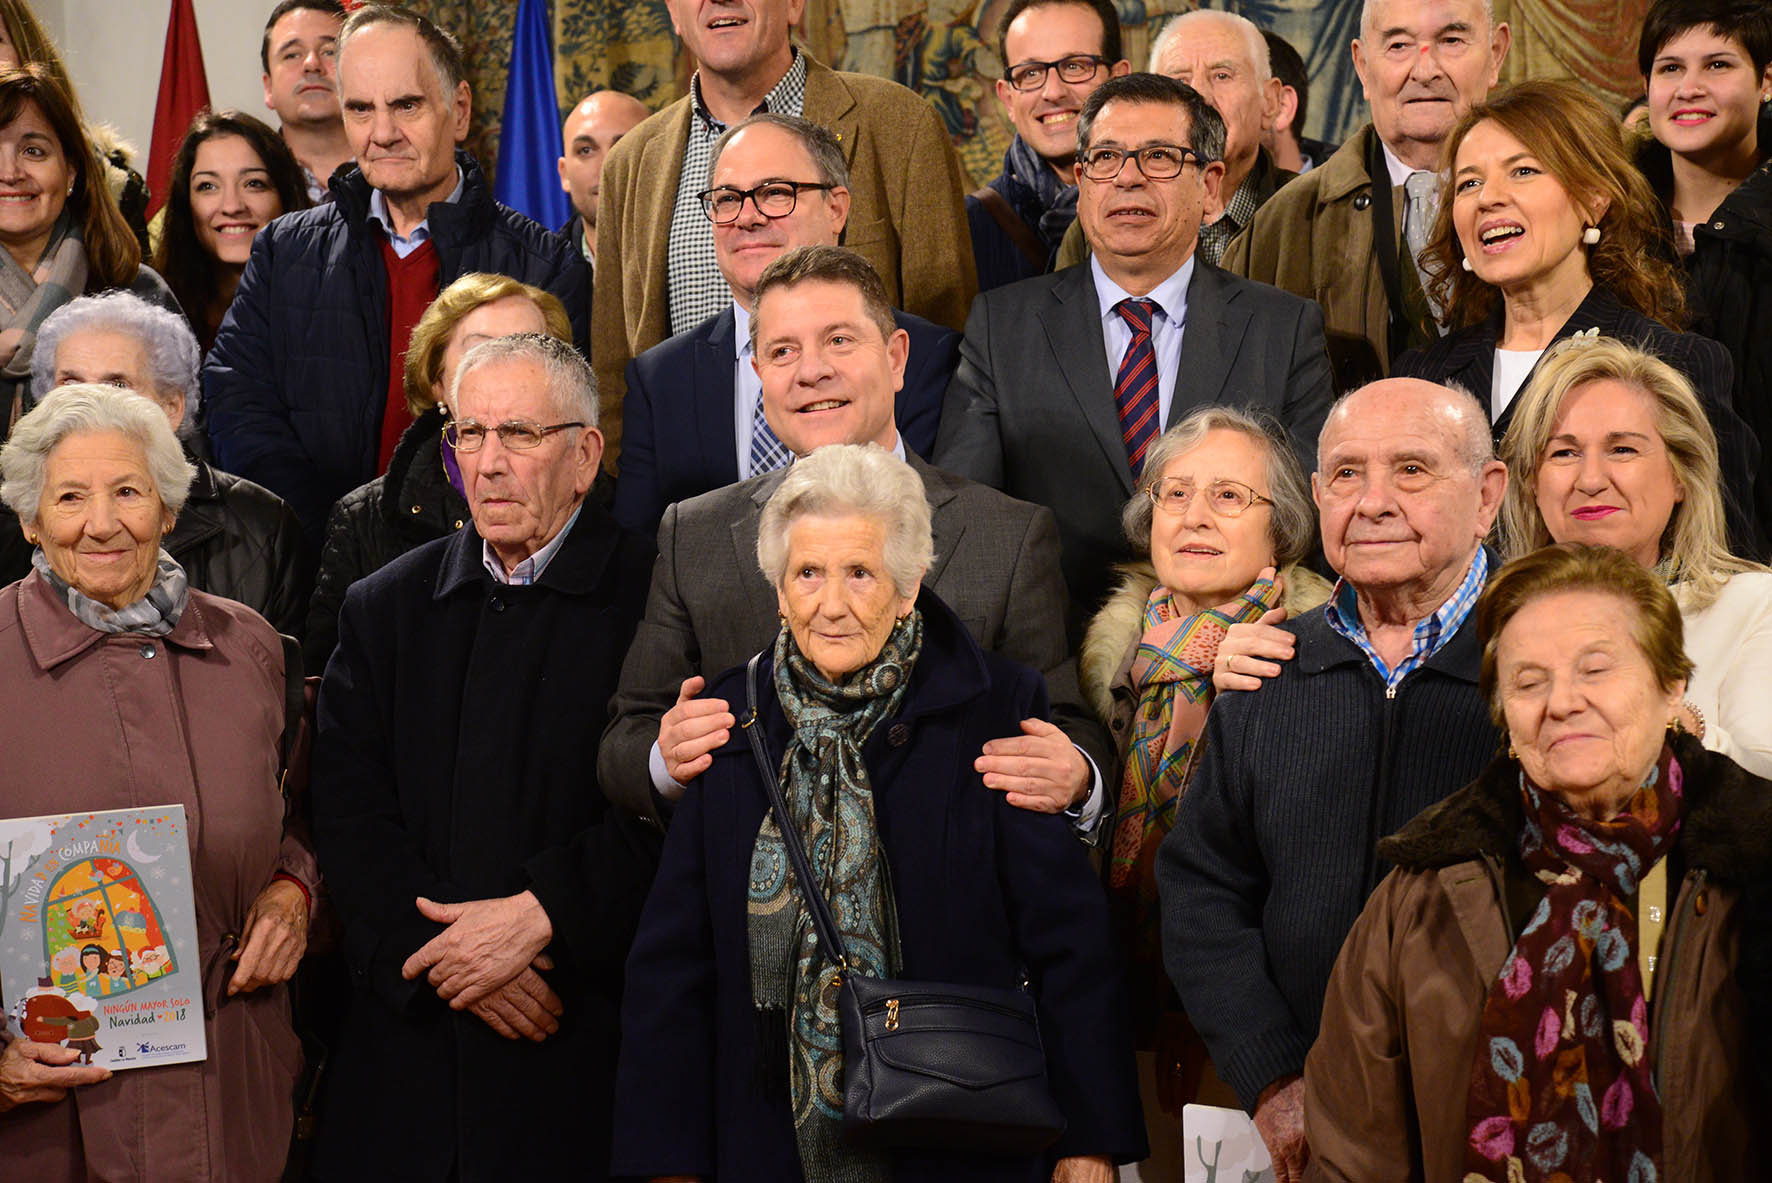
(1591, 235)
(1466, 263)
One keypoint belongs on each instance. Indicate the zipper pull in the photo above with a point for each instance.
(892, 1014)
(1390, 691)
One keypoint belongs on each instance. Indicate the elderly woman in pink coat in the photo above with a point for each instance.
(124, 687)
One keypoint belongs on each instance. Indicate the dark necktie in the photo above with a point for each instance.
(1135, 389)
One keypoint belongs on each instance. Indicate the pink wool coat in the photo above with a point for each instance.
(90, 721)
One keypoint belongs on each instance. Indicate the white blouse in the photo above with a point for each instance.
(1730, 642)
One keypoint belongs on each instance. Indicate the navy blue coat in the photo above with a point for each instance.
(456, 758)
(295, 386)
(677, 418)
(982, 889)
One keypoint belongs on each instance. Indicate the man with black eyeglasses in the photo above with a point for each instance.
(1055, 53)
(693, 410)
(1066, 379)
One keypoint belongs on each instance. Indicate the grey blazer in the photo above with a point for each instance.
(996, 566)
(1031, 410)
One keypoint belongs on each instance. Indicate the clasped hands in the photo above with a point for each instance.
(489, 961)
(1040, 769)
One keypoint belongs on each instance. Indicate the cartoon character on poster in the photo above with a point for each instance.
(101, 931)
(51, 1015)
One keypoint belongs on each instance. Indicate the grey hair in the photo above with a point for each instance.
(440, 44)
(1292, 526)
(860, 479)
(571, 383)
(173, 354)
(1475, 443)
(90, 407)
(1259, 58)
(1366, 17)
(819, 141)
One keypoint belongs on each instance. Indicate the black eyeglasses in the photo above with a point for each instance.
(1079, 67)
(1226, 499)
(519, 435)
(773, 199)
(1158, 162)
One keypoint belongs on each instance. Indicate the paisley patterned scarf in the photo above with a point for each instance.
(1172, 672)
(154, 615)
(794, 986)
(1561, 1087)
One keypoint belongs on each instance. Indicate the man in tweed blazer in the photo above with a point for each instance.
(996, 566)
(906, 216)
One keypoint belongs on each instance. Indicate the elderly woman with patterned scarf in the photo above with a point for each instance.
(1568, 975)
(872, 702)
(1225, 516)
(126, 687)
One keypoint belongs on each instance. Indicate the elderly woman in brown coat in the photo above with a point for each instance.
(125, 687)
(1566, 977)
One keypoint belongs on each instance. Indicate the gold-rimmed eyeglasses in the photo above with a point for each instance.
(1226, 499)
(519, 435)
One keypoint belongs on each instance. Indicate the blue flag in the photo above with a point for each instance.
(529, 142)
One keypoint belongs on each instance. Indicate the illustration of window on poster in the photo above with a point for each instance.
(98, 936)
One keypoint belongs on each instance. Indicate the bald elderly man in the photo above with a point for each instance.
(1353, 718)
(591, 129)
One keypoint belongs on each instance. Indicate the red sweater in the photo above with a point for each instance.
(412, 285)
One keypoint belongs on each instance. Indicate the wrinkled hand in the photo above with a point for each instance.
(1083, 1168)
(42, 1072)
(1279, 1119)
(276, 937)
(1252, 651)
(1040, 769)
(692, 729)
(487, 943)
(525, 1007)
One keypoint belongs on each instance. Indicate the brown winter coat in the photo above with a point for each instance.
(92, 721)
(1314, 239)
(1386, 1081)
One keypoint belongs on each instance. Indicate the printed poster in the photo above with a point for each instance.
(98, 936)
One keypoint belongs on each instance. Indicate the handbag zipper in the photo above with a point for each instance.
(891, 1006)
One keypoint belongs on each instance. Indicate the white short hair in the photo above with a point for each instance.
(90, 407)
(863, 480)
(1176, 25)
(571, 384)
(173, 353)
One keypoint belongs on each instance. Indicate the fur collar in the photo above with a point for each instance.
(1727, 831)
(1106, 656)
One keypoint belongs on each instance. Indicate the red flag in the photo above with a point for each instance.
(184, 91)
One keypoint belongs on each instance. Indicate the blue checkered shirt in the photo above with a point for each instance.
(1343, 614)
(693, 283)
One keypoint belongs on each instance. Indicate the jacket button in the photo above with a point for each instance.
(1702, 903)
(899, 735)
(1717, 225)
(1118, 724)
(147, 651)
(415, 511)
(498, 605)
(1363, 201)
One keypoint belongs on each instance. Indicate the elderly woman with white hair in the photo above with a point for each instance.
(233, 538)
(156, 693)
(871, 703)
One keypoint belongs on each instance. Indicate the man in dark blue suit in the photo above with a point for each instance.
(692, 417)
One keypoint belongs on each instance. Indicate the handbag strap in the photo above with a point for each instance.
(790, 835)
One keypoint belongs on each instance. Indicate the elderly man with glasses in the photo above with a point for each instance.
(693, 411)
(1065, 379)
(489, 893)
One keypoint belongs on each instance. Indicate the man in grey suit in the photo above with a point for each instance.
(1066, 379)
(831, 359)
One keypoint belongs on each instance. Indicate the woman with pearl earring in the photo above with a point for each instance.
(1545, 231)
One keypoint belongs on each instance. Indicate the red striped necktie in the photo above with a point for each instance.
(1135, 389)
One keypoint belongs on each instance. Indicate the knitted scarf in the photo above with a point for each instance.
(154, 615)
(1172, 672)
(1561, 1088)
(1042, 198)
(794, 984)
(28, 297)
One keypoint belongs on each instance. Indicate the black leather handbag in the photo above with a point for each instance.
(930, 1065)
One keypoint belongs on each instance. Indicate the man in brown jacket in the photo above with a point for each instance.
(658, 274)
(1422, 65)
